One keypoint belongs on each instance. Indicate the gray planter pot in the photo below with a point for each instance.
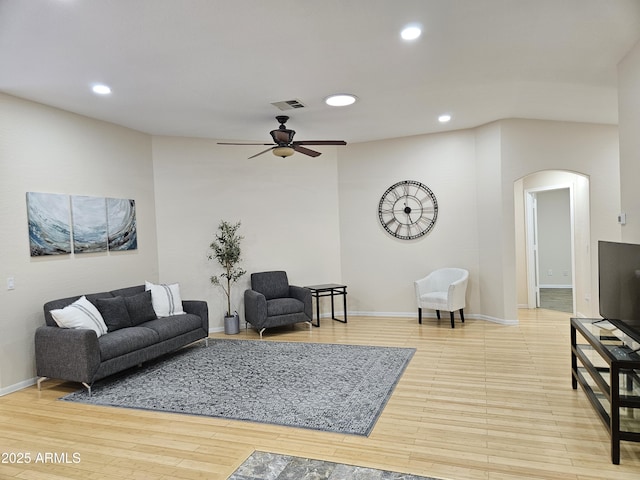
(232, 324)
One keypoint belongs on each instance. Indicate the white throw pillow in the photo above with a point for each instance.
(165, 299)
(80, 314)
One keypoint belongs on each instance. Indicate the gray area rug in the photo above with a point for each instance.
(270, 466)
(335, 388)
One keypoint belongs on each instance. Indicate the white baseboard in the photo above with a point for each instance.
(414, 314)
(474, 316)
(556, 286)
(17, 386)
(384, 314)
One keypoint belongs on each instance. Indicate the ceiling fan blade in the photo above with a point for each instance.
(264, 151)
(320, 142)
(306, 151)
(227, 143)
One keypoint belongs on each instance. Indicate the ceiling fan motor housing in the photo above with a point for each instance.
(282, 136)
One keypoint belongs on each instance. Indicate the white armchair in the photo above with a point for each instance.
(443, 289)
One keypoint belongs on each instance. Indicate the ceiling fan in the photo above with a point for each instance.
(284, 146)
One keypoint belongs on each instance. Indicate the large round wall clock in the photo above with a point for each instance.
(408, 210)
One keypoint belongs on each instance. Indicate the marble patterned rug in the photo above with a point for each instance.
(329, 387)
(271, 466)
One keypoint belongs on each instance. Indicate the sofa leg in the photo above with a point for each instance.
(88, 387)
(260, 332)
(39, 382)
(420, 315)
(310, 326)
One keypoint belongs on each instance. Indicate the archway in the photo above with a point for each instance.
(527, 278)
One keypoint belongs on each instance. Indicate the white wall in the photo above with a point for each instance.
(380, 269)
(43, 149)
(554, 238)
(288, 209)
(494, 243)
(530, 146)
(629, 119)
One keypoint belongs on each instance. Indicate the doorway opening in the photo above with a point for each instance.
(550, 249)
(553, 261)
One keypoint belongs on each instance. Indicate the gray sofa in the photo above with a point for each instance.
(79, 355)
(272, 302)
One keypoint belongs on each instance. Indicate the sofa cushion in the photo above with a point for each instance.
(166, 299)
(126, 340)
(284, 306)
(170, 327)
(127, 291)
(140, 308)
(115, 313)
(80, 314)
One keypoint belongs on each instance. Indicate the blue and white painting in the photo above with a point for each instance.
(49, 228)
(89, 224)
(121, 221)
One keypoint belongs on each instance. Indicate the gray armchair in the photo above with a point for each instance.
(272, 302)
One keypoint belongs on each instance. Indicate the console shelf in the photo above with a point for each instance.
(605, 362)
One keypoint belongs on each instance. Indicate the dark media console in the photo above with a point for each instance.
(605, 361)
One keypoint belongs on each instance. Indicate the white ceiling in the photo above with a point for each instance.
(212, 68)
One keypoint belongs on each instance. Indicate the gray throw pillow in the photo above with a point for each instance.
(140, 308)
(114, 312)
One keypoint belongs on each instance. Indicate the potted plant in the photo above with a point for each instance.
(226, 250)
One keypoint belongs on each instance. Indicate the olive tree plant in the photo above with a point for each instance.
(225, 249)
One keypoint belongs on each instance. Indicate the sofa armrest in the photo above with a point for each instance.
(199, 308)
(67, 353)
(255, 308)
(304, 295)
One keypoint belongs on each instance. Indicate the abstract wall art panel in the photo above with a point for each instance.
(49, 229)
(89, 224)
(121, 221)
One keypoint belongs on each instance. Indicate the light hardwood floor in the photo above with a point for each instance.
(481, 401)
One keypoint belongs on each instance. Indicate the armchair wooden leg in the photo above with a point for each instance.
(438, 314)
(462, 315)
(419, 315)
(453, 325)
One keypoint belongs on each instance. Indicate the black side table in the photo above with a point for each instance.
(325, 290)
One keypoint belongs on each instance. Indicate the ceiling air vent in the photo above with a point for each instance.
(288, 104)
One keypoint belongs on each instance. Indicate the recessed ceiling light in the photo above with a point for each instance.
(101, 89)
(340, 100)
(444, 118)
(411, 32)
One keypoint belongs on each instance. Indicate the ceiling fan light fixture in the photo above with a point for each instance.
(340, 100)
(283, 151)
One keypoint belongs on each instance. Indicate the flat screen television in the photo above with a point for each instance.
(619, 281)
